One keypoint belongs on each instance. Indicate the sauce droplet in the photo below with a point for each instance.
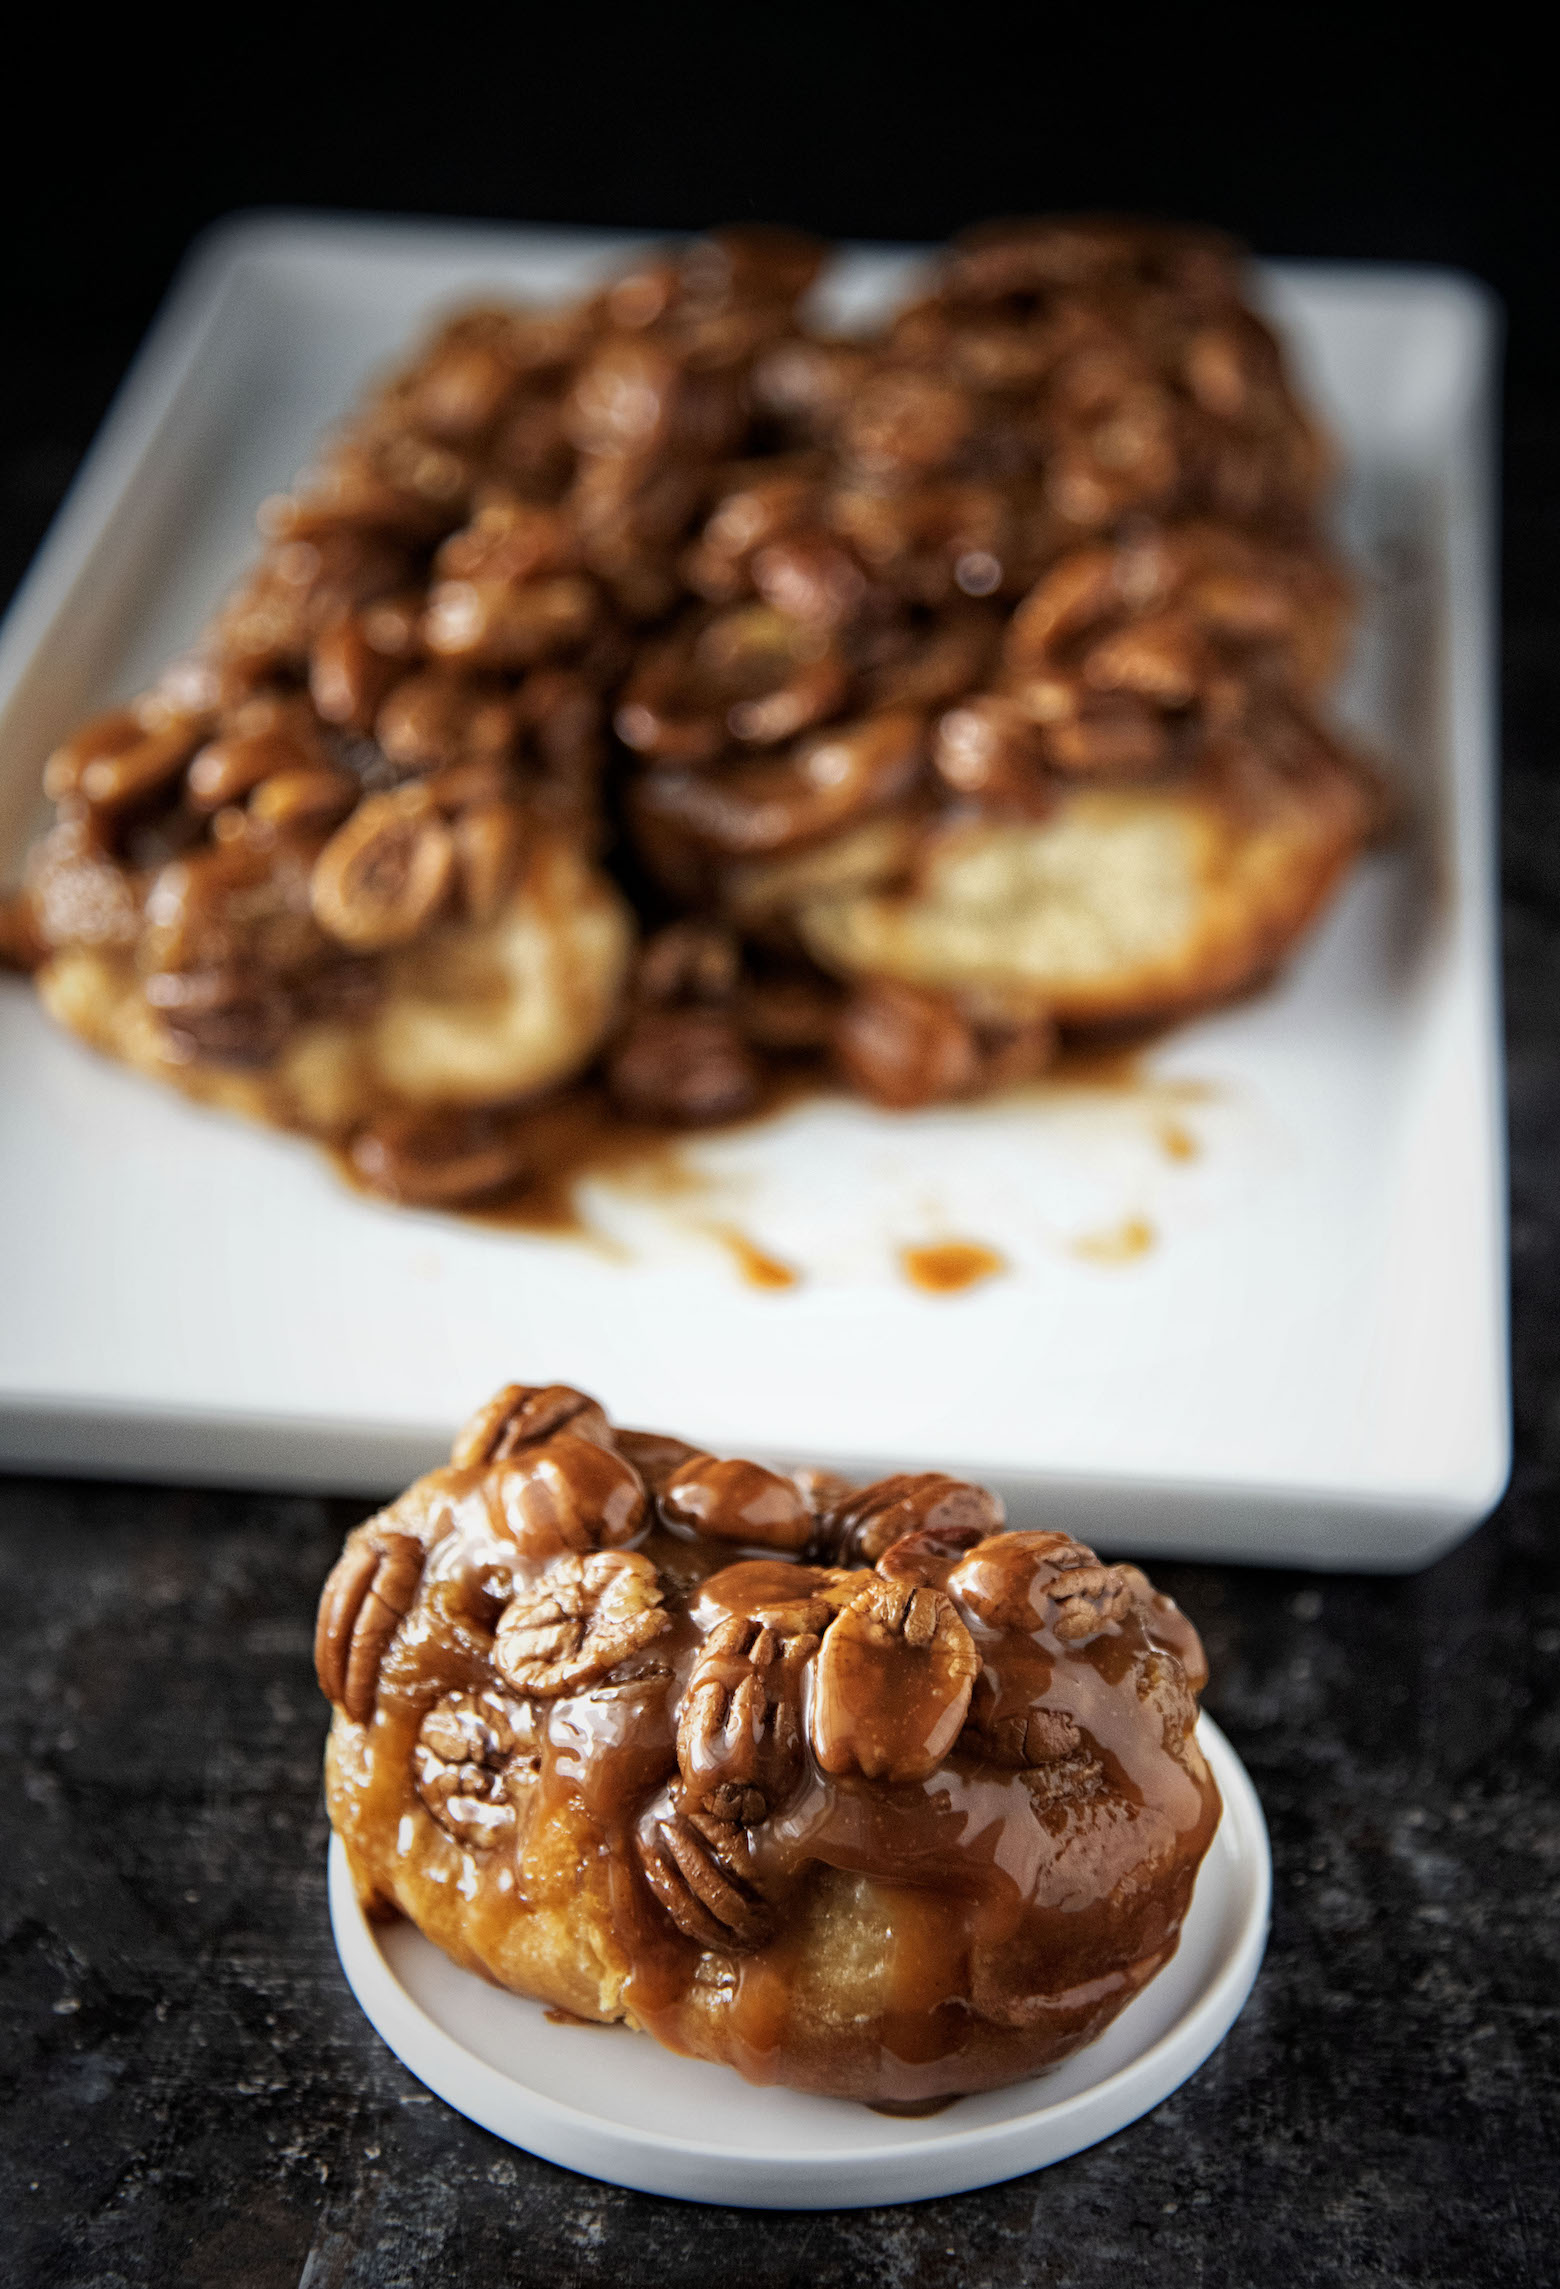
(758, 1268)
(1134, 1237)
(1178, 1142)
(948, 1265)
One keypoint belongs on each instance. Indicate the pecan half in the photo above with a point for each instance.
(700, 1869)
(384, 875)
(1039, 1581)
(739, 1735)
(367, 1596)
(653, 1455)
(824, 783)
(474, 1764)
(567, 1493)
(874, 1517)
(690, 1066)
(903, 1046)
(892, 1683)
(522, 1415)
(584, 1616)
(929, 1554)
(737, 1501)
(434, 1160)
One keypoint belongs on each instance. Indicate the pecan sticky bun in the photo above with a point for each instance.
(924, 691)
(843, 1785)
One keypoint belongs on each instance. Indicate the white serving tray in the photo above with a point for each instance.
(617, 2106)
(1308, 1364)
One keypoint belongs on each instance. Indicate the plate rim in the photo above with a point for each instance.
(956, 2160)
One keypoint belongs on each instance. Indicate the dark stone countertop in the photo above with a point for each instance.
(192, 2096)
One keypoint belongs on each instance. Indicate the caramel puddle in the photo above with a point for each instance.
(757, 1266)
(947, 1266)
(1133, 1237)
(580, 1134)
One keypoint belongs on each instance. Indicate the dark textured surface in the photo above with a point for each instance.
(191, 2097)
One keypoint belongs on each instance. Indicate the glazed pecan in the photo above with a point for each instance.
(443, 1159)
(1034, 1581)
(736, 1501)
(694, 961)
(579, 1620)
(349, 674)
(384, 875)
(686, 1065)
(871, 1519)
(699, 1868)
(475, 1762)
(989, 749)
(508, 623)
(928, 1554)
(739, 1735)
(824, 783)
(119, 760)
(903, 1046)
(438, 717)
(1118, 648)
(227, 1017)
(753, 674)
(892, 1683)
(653, 1455)
(238, 904)
(523, 1414)
(304, 798)
(368, 1595)
(567, 1492)
(763, 501)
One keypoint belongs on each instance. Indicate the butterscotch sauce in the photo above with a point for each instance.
(947, 1267)
(579, 1135)
(757, 1266)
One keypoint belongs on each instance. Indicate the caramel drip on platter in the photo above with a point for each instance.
(948, 1267)
(758, 1268)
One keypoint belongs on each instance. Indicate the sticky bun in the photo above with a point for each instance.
(842, 1785)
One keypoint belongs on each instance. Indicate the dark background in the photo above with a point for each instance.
(195, 2098)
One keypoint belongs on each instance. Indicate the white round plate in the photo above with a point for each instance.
(617, 2106)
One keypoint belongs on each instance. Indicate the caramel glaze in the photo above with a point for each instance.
(579, 1133)
(947, 1267)
(922, 1937)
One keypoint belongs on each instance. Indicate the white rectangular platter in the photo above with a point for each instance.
(1254, 1305)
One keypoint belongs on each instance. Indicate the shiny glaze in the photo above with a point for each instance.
(947, 1267)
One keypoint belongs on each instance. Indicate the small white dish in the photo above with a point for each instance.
(616, 2106)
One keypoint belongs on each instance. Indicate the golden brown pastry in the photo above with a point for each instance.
(843, 1786)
